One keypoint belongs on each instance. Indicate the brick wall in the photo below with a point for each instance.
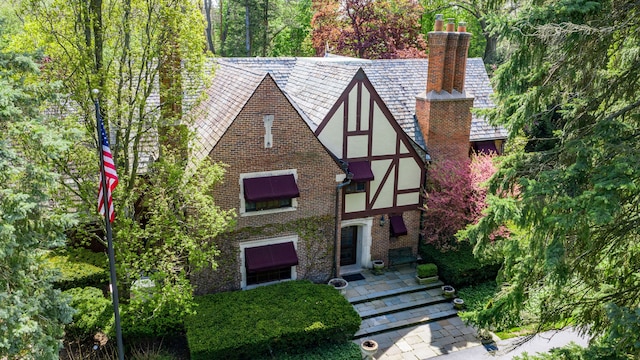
(445, 125)
(381, 241)
(294, 147)
(315, 252)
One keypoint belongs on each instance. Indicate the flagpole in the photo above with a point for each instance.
(110, 251)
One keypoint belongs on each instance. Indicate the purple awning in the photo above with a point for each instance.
(361, 171)
(270, 188)
(270, 257)
(486, 147)
(397, 226)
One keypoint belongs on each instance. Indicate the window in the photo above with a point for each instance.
(268, 192)
(362, 174)
(356, 187)
(266, 261)
(267, 204)
(261, 277)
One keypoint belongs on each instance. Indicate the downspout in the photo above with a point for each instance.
(347, 180)
(427, 161)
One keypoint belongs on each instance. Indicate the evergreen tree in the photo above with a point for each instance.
(574, 251)
(32, 312)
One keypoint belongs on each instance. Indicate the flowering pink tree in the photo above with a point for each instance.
(455, 197)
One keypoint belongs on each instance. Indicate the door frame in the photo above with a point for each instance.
(363, 256)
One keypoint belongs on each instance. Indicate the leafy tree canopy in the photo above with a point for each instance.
(455, 197)
(32, 313)
(147, 59)
(368, 29)
(574, 252)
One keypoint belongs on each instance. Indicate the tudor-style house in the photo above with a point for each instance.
(326, 157)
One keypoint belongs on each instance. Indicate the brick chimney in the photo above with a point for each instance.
(172, 133)
(443, 110)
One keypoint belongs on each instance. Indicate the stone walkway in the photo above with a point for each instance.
(407, 320)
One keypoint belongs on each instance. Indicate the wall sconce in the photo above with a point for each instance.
(382, 221)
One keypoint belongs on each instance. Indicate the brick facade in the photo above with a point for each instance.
(242, 148)
(382, 241)
(445, 125)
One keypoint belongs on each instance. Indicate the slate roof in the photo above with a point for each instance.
(314, 85)
(229, 91)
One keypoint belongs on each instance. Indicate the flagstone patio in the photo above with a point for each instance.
(407, 320)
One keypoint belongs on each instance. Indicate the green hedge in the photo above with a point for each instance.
(285, 318)
(344, 351)
(94, 312)
(79, 268)
(459, 267)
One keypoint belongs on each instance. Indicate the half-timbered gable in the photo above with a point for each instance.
(388, 172)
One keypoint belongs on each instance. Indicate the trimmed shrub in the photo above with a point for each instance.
(289, 317)
(344, 351)
(94, 312)
(79, 268)
(426, 270)
(157, 311)
(459, 267)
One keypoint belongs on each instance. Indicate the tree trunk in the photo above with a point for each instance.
(490, 53)
(266, 28)
(224, 26)
(489, 56)
(209, 29)
(246, 24)
(96, 10)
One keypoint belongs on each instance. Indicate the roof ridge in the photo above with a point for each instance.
(242, 68)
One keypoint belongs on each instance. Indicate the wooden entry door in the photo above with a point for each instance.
(349, 246)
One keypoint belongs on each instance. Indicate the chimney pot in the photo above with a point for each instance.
(462, 26)
(439, 23)
(451, 24)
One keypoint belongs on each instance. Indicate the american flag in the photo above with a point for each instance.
(109, 171)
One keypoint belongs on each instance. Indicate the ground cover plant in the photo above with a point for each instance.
(286, 318)
(477, 297)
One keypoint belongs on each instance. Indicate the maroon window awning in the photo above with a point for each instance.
(361, 171)
(270, 188)
(486, 147)
(397, 226)
(270, 257)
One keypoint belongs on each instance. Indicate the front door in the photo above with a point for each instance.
(349, 245)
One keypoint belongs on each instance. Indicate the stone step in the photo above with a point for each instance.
(394, 292)
(387, 306)
(403, 319)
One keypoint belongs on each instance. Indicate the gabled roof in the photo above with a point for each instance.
(225, 97)
(315, 84)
